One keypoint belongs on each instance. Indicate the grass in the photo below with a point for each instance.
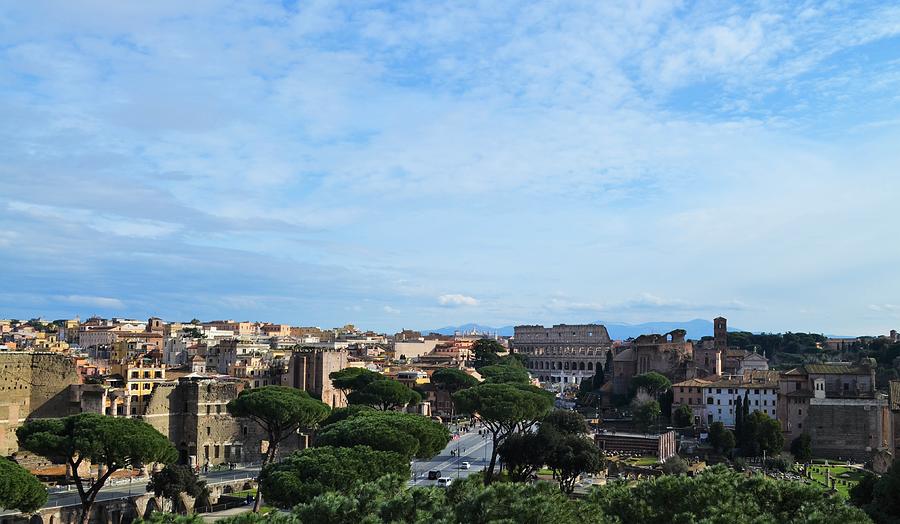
(642, 461)
(818, 472)
(244, 493)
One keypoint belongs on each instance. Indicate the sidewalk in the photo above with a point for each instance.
(216, 515)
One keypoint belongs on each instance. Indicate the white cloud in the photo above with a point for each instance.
(86, 300)
(455, 300)
(100, 222)
(390, 310)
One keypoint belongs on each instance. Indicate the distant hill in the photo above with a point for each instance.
(617, 330)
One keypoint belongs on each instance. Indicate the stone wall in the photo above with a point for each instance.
(848, 429)
(33, 385)
(193, 414)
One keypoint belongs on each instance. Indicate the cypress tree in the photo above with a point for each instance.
(738, 418)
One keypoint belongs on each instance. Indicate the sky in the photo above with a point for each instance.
(416, 164)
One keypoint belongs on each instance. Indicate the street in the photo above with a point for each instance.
(473, 448)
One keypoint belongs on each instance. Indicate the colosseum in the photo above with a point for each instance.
(562, 353)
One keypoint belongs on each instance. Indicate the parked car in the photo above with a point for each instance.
(434, 474)
(444, 482)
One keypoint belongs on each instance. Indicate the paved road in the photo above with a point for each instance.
(473, 448)
(69, 497)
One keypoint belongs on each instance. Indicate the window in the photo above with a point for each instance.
(218, 408)
(206, 452)
(207, 410)
(690, 401)
(731, 412)
(799, 425)
(208, 430)
(799, 412)
(765, 402)
(709, 400)
(157, 374)
(134, 386)
(146, 374)
(134, 374)
(718, 390)
(216, 451)
(681, 390)
(718, 401)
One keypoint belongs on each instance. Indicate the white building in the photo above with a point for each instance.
(758, 388)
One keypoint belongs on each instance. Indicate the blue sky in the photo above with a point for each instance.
(418, 164)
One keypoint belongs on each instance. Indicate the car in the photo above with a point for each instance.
(466, 465)
(444, 482)
(434, 474)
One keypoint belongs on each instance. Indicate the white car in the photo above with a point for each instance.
(466, 465)
(444, 482)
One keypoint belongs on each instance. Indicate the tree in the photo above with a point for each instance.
(599, 378)
(339, 414)
(384, 394)
(523, 454)
(504, 409)
(19, 489)
(716, 430)
(452, 379)
(113, 442)
(175, 479)
(280, 412)
(762, 434)
(738, 416)
(801, 448)
(500, 373)
(407, 434)
(486, 351)
(353, 379)
(717, 494)
(885, 505)
(303, 475)
(674, 465)
(566, 422)
(652, 382)
(727, 442)
(683, 416)
(862, 493)
(570, 455)
(645, 413)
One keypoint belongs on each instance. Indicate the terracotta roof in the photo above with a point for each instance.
(836, 369)
(692, 382)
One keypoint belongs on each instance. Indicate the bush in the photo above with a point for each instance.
(675, 466)
(783, 462)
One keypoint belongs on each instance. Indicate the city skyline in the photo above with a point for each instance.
(409, 165)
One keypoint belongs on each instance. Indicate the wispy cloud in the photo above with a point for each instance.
(457, 300)
(315, 157)
(106, 303)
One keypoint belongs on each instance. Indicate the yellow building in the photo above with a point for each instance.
(140, 379)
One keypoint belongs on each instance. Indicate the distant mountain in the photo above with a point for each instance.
(696, 329)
